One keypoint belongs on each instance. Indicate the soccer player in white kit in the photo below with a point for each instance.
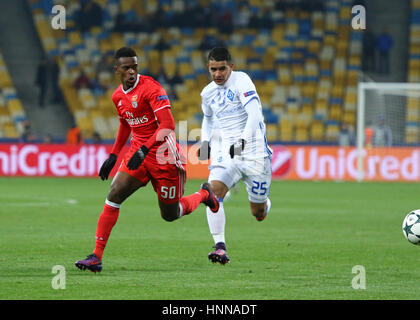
(233, 137)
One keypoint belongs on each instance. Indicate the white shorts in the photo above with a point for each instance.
(256, 174)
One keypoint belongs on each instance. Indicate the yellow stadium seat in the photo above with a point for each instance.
(321, 107)
(271, 132)
(413, 63)
(413, 103)
(15, 108)
(349, 117)
(75, 38)
(5, 80)
(301, 134)
(331, 132)
(335, 112)
(10, 131)
(412, 115)
(317, 131)
(411, 138)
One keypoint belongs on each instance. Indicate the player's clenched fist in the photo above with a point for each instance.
(137, 158)
(203, 152)
(237, 148)
(107, 166)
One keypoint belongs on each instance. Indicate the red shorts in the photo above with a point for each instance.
(167, 179)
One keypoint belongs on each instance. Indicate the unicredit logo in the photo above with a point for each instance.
(335, 163)
(281, 162)
(41, 160)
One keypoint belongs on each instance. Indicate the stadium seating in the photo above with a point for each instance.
(305, 67)
(12, 114)
(412, 120)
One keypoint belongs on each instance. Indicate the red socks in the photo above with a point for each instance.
(106, 222)
(109, 217)
(191, 202)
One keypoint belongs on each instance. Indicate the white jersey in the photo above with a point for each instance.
(225, 105)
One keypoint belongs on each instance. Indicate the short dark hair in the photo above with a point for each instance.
(220, 54)
(125, 52)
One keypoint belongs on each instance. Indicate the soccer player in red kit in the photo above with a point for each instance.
(144, 111)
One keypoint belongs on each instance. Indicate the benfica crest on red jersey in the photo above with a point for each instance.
(134, 101)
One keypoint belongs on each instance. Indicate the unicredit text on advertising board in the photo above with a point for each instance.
(51, 160)
(288, 162)
(335, 163)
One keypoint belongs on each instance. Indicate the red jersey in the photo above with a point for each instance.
(139, 109)
(137, 106)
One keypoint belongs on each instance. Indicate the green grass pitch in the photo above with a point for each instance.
(316, 232)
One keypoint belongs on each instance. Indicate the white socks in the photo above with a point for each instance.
(217, 223)
(268, 205)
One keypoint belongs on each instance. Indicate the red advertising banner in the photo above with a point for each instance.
(52, 160)
(288, 162)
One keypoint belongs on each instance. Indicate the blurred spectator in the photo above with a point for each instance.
(96, 138)
(382, 133)
(162, 45)
(201, 16)
(55, 80)
(384, 44)
(162, 76)
(41, 81)
(175, 79)
(345, 135)
(121, 24)
(213, 16)
(368, 135)
(303, 5)
(90, 15)
(27, 135)
(311, 5)
(206, 43)
(48, 138)
(266, 21)
(83, 81)
(74, 135)
(358, 3)
(368, 58)
(254, 21)
(106, 63)
(226, 22)
(158, 19)
(158, 75)
(209, 42)
(97, 88)
(241, 20)
(130, 21)
(171, 93)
